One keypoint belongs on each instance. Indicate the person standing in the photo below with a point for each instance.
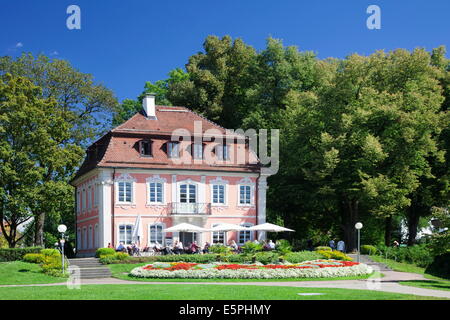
(332, 245)
(341, 246)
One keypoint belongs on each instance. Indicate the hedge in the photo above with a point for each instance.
(440, 267)
(368, 249)
(15, 254)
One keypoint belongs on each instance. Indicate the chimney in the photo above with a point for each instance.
(149, 106)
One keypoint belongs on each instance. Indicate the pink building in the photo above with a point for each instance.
(139, 172)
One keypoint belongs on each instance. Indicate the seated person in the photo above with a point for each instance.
(271, 245)
(194, 248)
(134, 249)
(206, 247)
(233, 245)
(178, 247)
(120, 247)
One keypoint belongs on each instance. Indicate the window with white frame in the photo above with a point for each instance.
(245, 235)
(83, 200)
(84, 235)
(96, 187)
(197, 151)
(218, 236)
(245, 194)
(125, 191)
(96, 237)
(90, 238)
(78, 202)
(125, 233)
(89, 198)
(79, 239)
(156, 192)
(218, 194)
(156, 234)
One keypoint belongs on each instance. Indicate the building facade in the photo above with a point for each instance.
(164, 166)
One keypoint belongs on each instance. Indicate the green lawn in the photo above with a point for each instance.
(18, 272)
(193, 292)
(428, 284)
(121, 271)
(399, 266)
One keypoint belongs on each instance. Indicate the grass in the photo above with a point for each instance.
(18, 272)
(428, 284)
(121, 271)
(399, 266)
(194, 292)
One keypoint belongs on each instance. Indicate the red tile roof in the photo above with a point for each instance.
(119, 147)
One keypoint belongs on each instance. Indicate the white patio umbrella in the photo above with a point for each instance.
(225, 227)
(137, 230)
(185, 227)
(270, 228)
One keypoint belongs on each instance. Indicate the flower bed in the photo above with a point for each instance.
(309, 269)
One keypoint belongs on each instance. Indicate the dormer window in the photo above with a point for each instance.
(145, 148)
(197, 151)
(222, 152)
(173, 150)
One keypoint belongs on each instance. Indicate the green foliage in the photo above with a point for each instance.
(440, 267)
(267, 257)
(219, 249)
(323, 248)
(368, 249)
(297, 257)
(51, 263)
(104, 251)
(251, 247)
(51, 253)
(14, 254)
(419, 255)
(336, 255)
(283, 247)
(440, 240)
(33, 258)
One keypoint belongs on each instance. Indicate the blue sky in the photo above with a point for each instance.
(125, 43)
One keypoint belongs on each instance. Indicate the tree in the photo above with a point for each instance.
(34, 161)
(86, 106)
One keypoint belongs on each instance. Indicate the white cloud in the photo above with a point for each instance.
(19, 45)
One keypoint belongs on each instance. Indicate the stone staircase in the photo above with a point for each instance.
(90, 268)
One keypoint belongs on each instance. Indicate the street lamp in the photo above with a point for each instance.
(62, 228)
(358, 226)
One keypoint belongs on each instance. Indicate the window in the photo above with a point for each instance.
(222, 152)
(125, 233)
(84, 244)
(96, 240)
(79, 239)
(89, 198)
(246, 235)
(145, 148)
(218, 236)
(245, 195)
(83, 200)
(173, 150)
(78, 202)
(125, 191)
(218, 195)
(197, 151)
(187, 193)
(96, 195)
(156, 192)
(156, 234)
(90, 238)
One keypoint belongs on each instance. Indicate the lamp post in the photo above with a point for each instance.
(358, 226)
(62, 228)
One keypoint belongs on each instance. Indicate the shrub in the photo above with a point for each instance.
(52, 265)
(440, 267)
(14, 254)
(251, 247)
(323, 248)
(267, 257)
(219, 249)
(236, 258)
(104, 252)
(33, 258)
(297, 257)
(368, 249)
(337, 255)
(283, 247)
(419, 255)
(50, 252)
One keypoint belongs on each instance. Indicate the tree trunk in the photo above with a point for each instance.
(39, 230)
(349, 216)
(413, 224)
(388, 231)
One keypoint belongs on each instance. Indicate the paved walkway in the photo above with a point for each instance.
(388, 283)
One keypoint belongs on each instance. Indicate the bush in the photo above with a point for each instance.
(323, 248)
(336, 255)
(419, 255)
(251, 247)
(33, 258)
(283, 247)
(51, 253)
(368, 249)
(14, 254)
(219, 249)
(104, 252)
(440, 267)
(267, 257)
(297, 257)
(52, 265)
